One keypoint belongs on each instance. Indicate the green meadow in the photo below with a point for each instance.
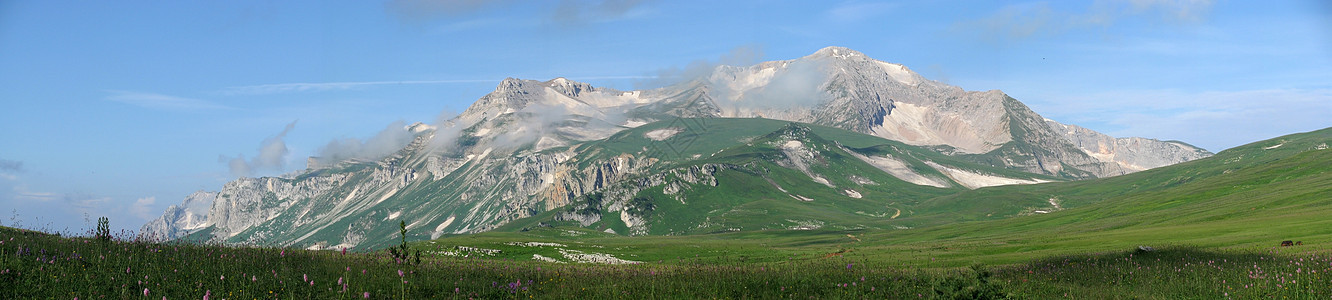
(1206, 229)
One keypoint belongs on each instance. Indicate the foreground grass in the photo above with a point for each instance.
(38, 265)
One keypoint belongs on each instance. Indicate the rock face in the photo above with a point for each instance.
(530, 146)
(1131, 154)
(843, 88)
(183, 218)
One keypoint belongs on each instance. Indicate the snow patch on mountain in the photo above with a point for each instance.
(900, 73)
(662, 134)
(439, 229)
(899, 169)
(923, 126)
(974, 180)
(799, 157)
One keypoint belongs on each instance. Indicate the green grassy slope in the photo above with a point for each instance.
(1253, 196)
(759, 185)
(1249, 196)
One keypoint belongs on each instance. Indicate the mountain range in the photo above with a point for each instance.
(834, 139)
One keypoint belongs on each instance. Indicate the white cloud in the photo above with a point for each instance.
(163, 102)
(272, 154)
(143, 209)
(798, 85)
(386, 142)
(738, 56)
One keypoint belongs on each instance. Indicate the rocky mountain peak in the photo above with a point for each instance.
(569, 87)
(839, 52)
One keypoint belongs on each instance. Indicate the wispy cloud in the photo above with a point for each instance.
(698, 69)
(387, 141)
(565, 13)
(12, 166)
(423, 10)
(468, 25)
(143, 208)
(21, 192)
(580, 12)
(85, 203)
(280, 88)
(272, 152)
(163, 102)
(1026, 20)
(1215, 120)
(856, 11)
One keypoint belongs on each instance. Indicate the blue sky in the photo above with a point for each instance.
(121, 108)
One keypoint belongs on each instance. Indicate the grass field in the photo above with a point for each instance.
(1214, 226)
(38, 265)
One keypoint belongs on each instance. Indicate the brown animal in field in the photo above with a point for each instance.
(1299, 243)
(1287, 243)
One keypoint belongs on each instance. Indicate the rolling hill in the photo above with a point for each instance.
(1252, 196)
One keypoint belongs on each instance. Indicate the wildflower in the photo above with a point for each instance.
(339, 280)
(253, 279)
(400, 273)
(848, 266)
(366, 295)
(145, 292)
(305, 277)
(207, 294)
